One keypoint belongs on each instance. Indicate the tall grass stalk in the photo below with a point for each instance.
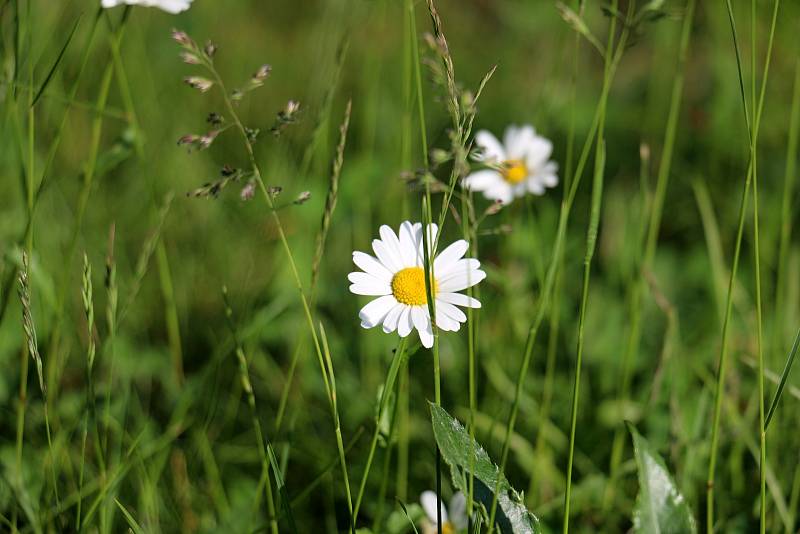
(753, 130)
(652, 231)
(591, 242)
(338, 428)
(549, 283)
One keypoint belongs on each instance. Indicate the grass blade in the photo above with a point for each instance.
(784, 376)
(57, 62)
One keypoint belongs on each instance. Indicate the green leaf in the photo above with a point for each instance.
(660, 508)
(457, 449)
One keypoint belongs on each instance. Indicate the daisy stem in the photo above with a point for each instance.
(388, 386)
(470, 229)
(653, 226)
(546, 294)
(752, 129)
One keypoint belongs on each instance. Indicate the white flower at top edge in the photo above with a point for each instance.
(519, 165)
(454, 518)
(395, 275)
(170, 6)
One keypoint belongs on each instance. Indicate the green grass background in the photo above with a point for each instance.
(185, 445)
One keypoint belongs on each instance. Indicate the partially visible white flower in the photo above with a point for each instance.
(454, 518)
(395, 275)
(519, 165)
(170, 6)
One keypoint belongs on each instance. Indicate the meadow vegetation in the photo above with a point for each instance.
(181, 349)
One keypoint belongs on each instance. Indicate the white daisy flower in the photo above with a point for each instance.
(520, 165)
(454, 519)
(396, 276)
(170, 6)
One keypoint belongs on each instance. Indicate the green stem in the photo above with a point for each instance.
(751, 172)
(653, 228)
(546, 294)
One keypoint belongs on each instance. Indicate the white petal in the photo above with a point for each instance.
(419, 317)
(458, 511)
(482, 180)
(422, 322)
(516, 141)
(371, 265)
(426, 336)
(549, 180)
(534, 185)
(462, 266)
(491, 149)
(461, 281)
(444, 321)
(537, 152)
(449, 256)
(404, 325)
(392, 243)
(459, 299)
(366, 284)
(428, 502)
(373, 313)
(408, 244)
(174, 6)
(433, 232)
(385, 256)
(392, 318)
(451, 311)
(500, 191)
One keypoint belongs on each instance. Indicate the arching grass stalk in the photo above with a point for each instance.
(790, 176)
(338, 428)
(388, 386)
(553, 328)
(653, 228)
(752, 129)
(591, 241)
(547, 289)
(269, 199)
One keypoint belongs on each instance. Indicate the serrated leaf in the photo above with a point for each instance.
(457, 447)
(660, 507)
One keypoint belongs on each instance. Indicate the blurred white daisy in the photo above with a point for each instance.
(396, 276)
(170, 6)
(454, 518)
(519, 165)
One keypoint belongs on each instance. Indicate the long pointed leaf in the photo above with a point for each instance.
(660, 508)
(457, 447)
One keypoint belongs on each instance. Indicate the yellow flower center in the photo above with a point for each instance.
(408, 286)
(514, 171)
(448, 528)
